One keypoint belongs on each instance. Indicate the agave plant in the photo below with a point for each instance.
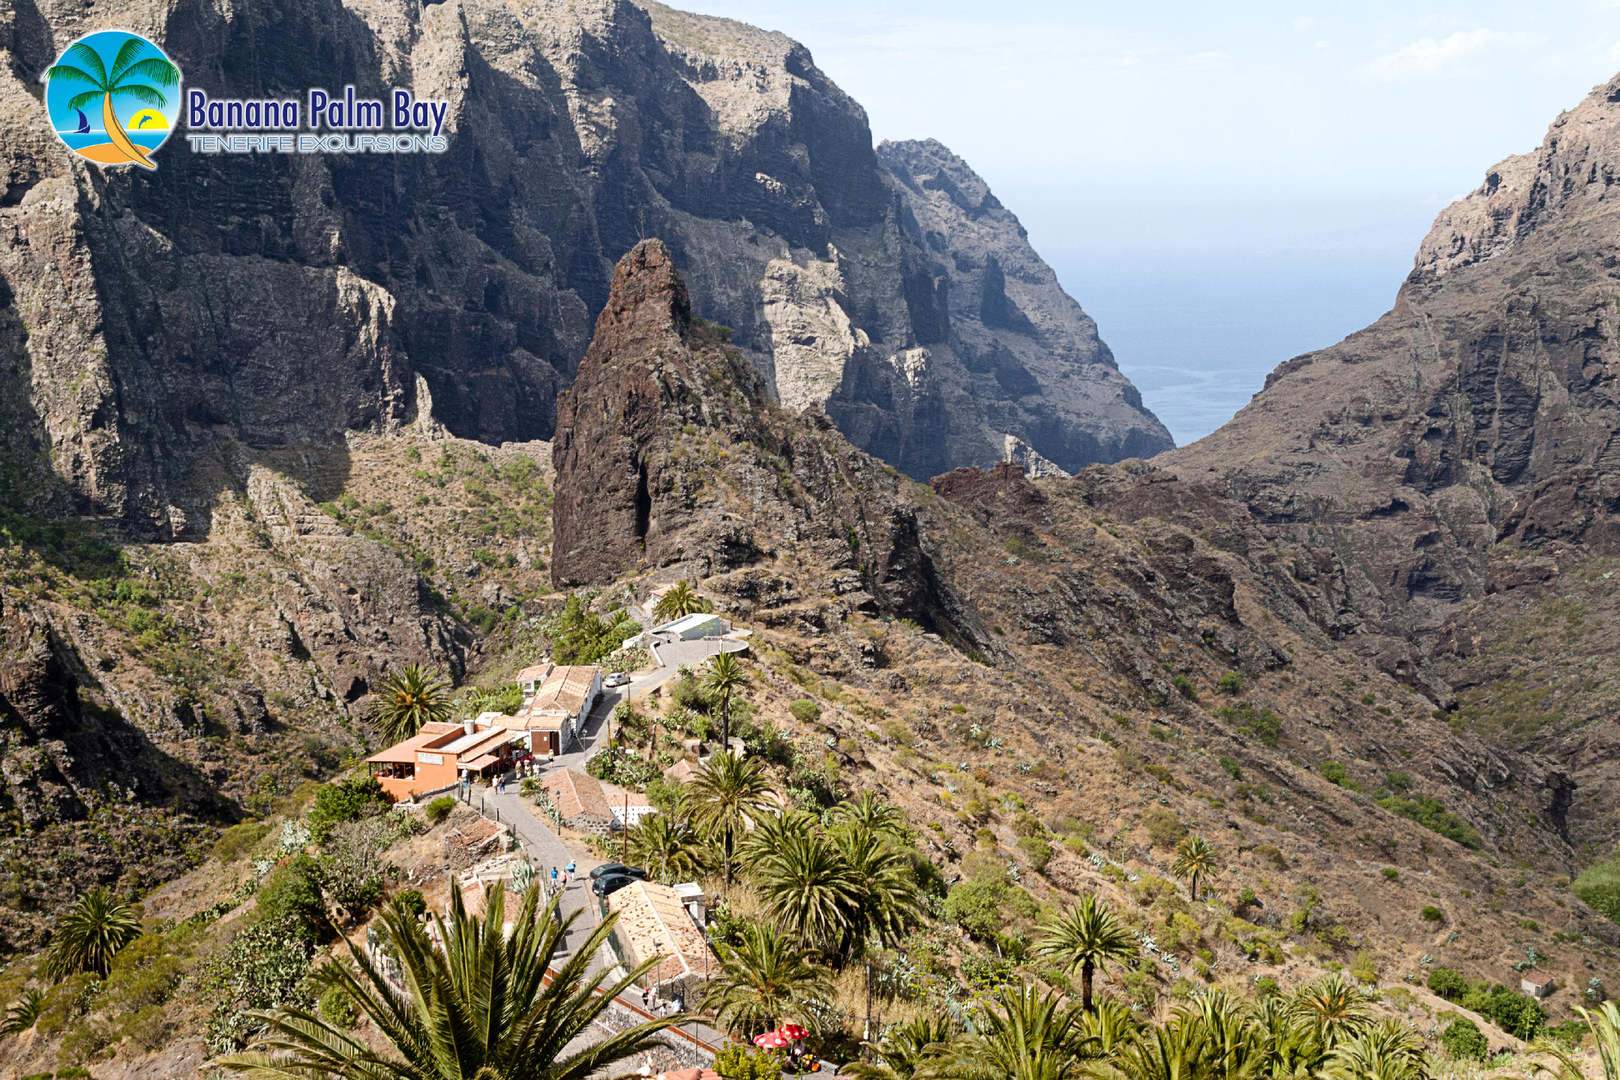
(910, 1051)
(481, 1007)
(23, 1013)
(1604, 1025)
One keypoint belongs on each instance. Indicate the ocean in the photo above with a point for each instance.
(1199, 334)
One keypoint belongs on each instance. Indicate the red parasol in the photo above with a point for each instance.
(794, 1032)
(771, 1040)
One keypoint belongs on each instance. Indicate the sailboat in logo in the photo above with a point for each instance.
(137, 75)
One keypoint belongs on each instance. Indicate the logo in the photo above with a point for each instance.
(113, 98)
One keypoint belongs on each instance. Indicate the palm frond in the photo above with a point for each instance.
(69, 73)
(127, 52)
(146, 95)
(91, 60)
(154, 69)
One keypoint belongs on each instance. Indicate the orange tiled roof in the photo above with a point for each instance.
(576, 794)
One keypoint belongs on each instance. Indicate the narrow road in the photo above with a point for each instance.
(547, 849)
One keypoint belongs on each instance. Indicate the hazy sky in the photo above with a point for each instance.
(1220, 185)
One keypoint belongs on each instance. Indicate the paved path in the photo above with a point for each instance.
(546, 848)
(681, 654)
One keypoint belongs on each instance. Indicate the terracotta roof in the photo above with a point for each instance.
(653, 922)
(404, 753)
(564, 690)
(532, 673)
(575, 794)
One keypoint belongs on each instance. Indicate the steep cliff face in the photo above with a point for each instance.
(670, 456)
(272, 301)
(1456, 464)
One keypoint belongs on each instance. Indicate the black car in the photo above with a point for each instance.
(608, 884)
(618, 868)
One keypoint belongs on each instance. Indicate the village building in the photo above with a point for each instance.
(578, 800)
(1536, 983)
(693, 627)
(653, 922)
(437, 757)
(558, 699)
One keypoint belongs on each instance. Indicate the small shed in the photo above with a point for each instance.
(1536, 983)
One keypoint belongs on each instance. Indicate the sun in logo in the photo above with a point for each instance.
(113, 98)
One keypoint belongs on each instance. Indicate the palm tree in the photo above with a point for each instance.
(1177, 1050)
(1026, 1035)
(410, 699)
(1235, 1044)
(909, 1051)
(665, 847)
(1112, 1025)
(679, 600)
(131, 77)
(1195, 860)
(1332, 1009)
(1083, 938)
(1386, 1051)
(480, 1006)
(887, 903)
(727, 794)
(90, 935)
(808, 889)
(870, 812)
(762, 980)
(726, 676)
(1604, 1024)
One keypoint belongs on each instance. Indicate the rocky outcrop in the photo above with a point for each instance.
(281, 301)
(671, 456)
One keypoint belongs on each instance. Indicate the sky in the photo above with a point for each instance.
(1221, 186)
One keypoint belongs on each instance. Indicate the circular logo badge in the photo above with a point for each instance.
(113, 98)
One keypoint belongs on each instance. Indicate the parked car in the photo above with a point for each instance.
(608, 884)
(615, 680)
(618, 868)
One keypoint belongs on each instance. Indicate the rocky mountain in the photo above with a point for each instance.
(1450, 476)
(272, 301)
(1130, 625)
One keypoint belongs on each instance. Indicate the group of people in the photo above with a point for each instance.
(655, 1007)
(559, 882)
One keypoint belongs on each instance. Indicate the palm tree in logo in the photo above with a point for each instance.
(132, 78)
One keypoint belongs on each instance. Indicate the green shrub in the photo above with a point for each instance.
(805, 711)
(292, 894)
(1598, 886)
(1184, 686)
(1263, 724)
(1230, 684)
(1448, 983)
(439, 809)
(1433, 914)
(985, 905)
(1515, 1013)
(1463, 1040)
(338, 1008)
(346, 800)
(239, 839)
(1037, 849)
(1391, 874)
(1164, 828)
(746, 1063)
(411, 900)
(1432, 815)
(581, 636)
